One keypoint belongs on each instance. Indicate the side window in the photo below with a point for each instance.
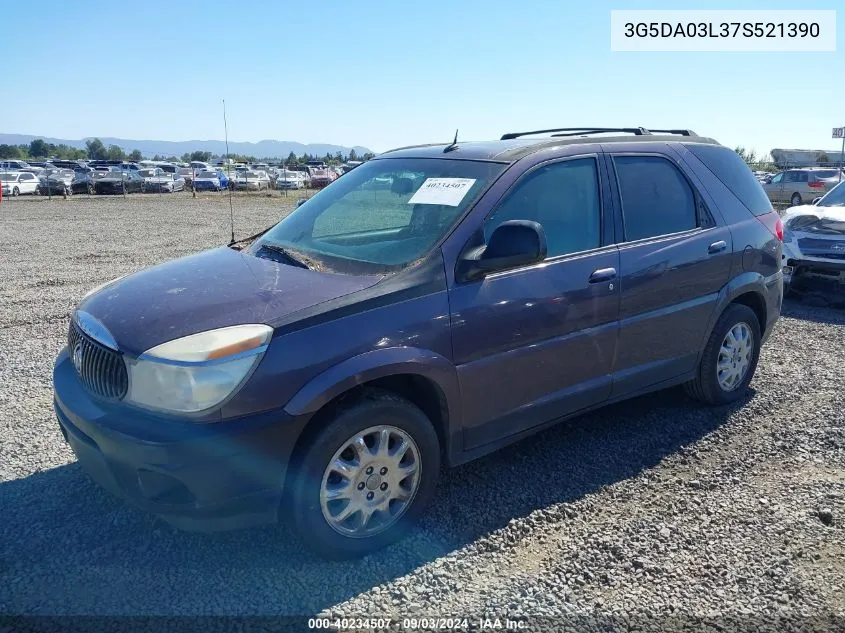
(803, 176)
(790, 176)
(656, 198)
(777, 179)
(564, 198)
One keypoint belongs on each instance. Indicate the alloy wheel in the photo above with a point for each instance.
(735, 356)
(370, 482)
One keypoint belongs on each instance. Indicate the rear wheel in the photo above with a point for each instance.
(796, 199)
(365, 478)
(729, 359)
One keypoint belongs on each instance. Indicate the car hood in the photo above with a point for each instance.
(112, 181)
(829, 220)
(208, 290)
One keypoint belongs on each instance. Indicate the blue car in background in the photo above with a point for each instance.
(208, 180)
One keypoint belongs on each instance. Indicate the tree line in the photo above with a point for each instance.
(95, 149)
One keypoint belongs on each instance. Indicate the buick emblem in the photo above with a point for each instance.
(77, 355)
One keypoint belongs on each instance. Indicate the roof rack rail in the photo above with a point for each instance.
(578, 131)
(681, 132)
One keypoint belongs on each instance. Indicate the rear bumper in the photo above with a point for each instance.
(209, 477)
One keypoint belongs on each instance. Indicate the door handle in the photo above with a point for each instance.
(717, 247)
(602, 274)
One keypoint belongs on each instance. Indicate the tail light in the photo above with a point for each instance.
(773, 222)
(816, 184)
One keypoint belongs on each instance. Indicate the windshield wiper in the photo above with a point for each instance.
(288, 258)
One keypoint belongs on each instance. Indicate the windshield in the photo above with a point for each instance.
(207, 174)
(149, 173)
(8, 176)
(834, 198)
(383, 215)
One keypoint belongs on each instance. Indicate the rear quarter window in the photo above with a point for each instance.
(735, 174)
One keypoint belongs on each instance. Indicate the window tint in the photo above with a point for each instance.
(656, 198)
(564, 198)
(803, 176)
(735, 174)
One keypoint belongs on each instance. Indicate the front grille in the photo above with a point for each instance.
(101, 370)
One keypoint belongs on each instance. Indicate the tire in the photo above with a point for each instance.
(311, 475)
(90, 190)
(16, 192)
(706, 386)
(795, 200)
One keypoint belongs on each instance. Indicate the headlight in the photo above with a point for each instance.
(196, 372)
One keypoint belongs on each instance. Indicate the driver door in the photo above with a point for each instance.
(536, 343)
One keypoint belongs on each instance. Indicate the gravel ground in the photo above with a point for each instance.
(643, 516)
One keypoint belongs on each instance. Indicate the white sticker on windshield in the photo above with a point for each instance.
(447, 191)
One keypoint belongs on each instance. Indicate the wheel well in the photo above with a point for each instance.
(419, 390)
(754, 301)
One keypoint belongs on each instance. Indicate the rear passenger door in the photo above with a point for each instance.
(674, 259)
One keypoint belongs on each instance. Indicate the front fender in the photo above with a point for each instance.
(374, 364)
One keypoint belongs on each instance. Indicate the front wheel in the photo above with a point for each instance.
(729, 359)
(365, 478)
(16, 192)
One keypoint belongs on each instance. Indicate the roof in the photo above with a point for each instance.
(511, 150)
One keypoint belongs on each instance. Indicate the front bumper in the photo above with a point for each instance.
(198, 477)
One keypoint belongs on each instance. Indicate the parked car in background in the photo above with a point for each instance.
(814, 245)
(322, 177)
(198, 165)
(18, 183)
(187, 174)
(156, 180)
(800, 186)
(289, 180)
(18, 165)
(252, 180)
(325, 371)
(119, 182)
(58, 182)
(209, 180)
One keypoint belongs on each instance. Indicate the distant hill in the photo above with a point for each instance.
(261, 149)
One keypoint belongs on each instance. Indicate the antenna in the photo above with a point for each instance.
(454, 144)
(228, 172)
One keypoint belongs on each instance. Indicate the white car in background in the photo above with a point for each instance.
(157, 180)
(17, 183)
(814, 245)
(289, 180)
(252, 180)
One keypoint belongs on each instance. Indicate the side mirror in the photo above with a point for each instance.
(768, 180)
(514, 243)
(816, 200)
(301, 201)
